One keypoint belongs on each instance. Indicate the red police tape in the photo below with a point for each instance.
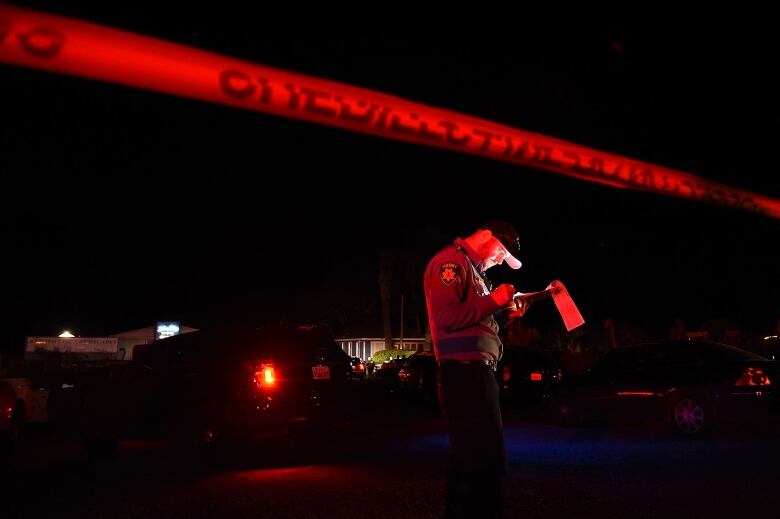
(60, 44)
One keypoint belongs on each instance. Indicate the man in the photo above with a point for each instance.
(465, 339)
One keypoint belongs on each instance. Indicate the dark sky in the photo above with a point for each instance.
(121, 207)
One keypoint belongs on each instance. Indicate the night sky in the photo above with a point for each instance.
(121, 207)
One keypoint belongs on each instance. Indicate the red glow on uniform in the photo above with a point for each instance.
(635, 393)
(64, 45)
(536, 376)
(506, 373)
(754, 377)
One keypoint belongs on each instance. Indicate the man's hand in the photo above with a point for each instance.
(503, 294)
(517, 308)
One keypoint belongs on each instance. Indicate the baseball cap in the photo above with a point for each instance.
(508, 237)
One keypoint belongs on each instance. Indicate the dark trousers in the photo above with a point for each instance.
(468, 394)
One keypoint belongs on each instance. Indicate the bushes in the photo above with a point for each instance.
(383, 355)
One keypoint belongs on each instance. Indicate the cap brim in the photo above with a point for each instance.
(512, 261)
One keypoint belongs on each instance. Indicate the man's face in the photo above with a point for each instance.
(492, 253)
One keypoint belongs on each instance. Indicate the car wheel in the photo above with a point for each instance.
(206, 433)
(690, 416)
(198, 431)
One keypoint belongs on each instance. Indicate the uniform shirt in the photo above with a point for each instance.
(460, 309)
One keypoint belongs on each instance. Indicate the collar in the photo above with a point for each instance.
(470, 253)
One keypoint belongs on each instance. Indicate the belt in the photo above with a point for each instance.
(492, 364)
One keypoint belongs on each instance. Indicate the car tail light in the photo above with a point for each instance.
(536, 376)
(264, 375)
(506, 373)
(359, 368)
(754, 377)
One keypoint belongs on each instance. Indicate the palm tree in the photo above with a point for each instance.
(386, 292)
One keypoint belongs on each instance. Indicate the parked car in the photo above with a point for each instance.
(386, 374)
(208, 386)
(417, 377)
(358, 368)
(528, 375)
(692, 387)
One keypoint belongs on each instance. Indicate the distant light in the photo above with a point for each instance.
(66, 334)
(167, 330)
(770, 337)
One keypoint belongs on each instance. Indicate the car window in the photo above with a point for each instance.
(681, 354)
(613, 362)
(631, 358)
(428, 361)
(226, 346)
(286, 343)
(419, 361)
(711, 351)
(332, 351)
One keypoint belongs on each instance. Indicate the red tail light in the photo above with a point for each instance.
(359, 367)
(268, 375)
(506, 373)
(536, 377)
(754, 377)
(264, 375)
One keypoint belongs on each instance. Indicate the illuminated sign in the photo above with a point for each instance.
(72, 345)
(166, 330)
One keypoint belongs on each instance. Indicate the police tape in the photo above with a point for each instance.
(68, 46)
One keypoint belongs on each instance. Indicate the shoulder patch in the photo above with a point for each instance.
(448, 273)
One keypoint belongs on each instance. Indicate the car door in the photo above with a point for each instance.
(154, 394)
(620, 386)
(639, 387)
